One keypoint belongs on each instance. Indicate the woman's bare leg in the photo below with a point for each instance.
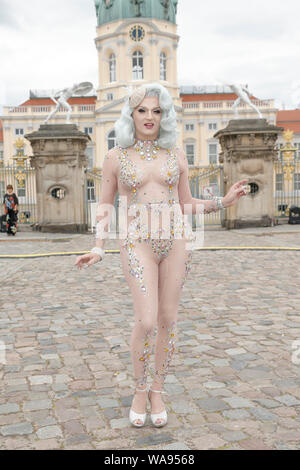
(144, 265)
(173, 271)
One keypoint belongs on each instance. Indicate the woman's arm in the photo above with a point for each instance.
(189, 204)
(109, 187)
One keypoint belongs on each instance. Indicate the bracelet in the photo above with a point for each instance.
(98, 251)
(218, 200)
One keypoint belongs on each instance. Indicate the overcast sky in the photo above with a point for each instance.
(50, 44)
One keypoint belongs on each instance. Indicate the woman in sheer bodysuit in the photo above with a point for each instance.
(151, 175)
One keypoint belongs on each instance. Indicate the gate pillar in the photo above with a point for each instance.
(248, 151)
(59, 159)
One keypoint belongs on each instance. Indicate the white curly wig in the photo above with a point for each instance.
(124, 126)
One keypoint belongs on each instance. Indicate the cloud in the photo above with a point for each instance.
(54, 48)
(255, 43)
(7, 17)
(251, 29)
(50, 44)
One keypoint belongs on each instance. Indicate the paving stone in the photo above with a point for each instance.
(232, 436)
(267, 402)
(263, 415)
(213, 385)
(236, 414)
(111, 413)
(235, 351)
(9, 408)
(210, 441)
(212, 404)
(73, 427)
(153, 439)
(78, 439)
(16, 429)
(49, 432)
(119, 423)
(176, 446)
(288, 400)
(183, 407)
(238, 365)
(107, 402)
(238, 402)
(40, 379)
(254, 444)
(37, 405)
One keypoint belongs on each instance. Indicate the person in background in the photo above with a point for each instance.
(11, 206)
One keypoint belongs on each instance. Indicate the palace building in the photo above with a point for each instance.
(137, 43)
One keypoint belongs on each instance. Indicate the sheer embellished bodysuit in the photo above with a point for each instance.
(154, 258)
(154, 253)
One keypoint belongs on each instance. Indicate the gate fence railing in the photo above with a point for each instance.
(286, 185)
(203, 183)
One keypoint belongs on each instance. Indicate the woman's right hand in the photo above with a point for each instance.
(87, 260)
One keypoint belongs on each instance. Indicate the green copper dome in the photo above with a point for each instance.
(112, 10)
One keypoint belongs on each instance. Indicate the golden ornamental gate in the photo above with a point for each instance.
(287, 177)
(22, 177)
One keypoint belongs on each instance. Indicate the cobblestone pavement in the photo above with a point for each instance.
(66, 373)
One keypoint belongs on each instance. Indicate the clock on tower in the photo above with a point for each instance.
(137, 33)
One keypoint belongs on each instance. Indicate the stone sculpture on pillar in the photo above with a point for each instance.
(244, 95)
(63, 96)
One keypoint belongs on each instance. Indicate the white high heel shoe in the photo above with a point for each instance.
(134, 417)
(162, 415)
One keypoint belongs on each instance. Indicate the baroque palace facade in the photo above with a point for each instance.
(137, 43)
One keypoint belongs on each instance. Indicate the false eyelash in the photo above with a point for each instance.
(142, 111)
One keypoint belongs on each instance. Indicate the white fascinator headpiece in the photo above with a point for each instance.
(135, 95)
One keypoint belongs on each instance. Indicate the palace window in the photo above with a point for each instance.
(189, 127)
(112, 68)
(137, 66)
(19, 131)
(111, 140)
(190, 153)
(213, 153)
(89, 151)
(212, 126)
(109, 96)
(163, 66)
(91, 190)
(88, 130)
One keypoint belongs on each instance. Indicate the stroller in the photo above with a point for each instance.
(3, 223)
(294, 215)
(9, 222)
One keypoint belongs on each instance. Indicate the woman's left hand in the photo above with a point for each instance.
(235, 192)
